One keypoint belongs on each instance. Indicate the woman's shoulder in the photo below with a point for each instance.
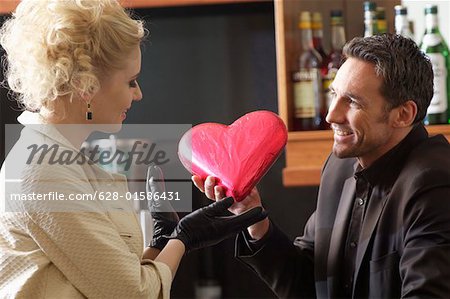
(39, 156)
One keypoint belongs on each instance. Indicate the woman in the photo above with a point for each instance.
(75, 64)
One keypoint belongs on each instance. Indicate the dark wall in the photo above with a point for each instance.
(207, 63)
(214, 64)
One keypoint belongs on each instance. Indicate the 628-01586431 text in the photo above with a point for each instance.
(155, 196)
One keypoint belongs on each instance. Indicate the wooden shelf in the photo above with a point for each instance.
(307, 151)
(439, 129)
(7, 6)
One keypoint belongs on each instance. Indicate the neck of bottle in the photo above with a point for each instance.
(337, 37)
(431, 23)
(307, 39)
(317, 38)
(401, 24)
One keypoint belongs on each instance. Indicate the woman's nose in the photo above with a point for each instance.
(137, 96)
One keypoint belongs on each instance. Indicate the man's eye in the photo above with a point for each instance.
(133, 83)
(332, 93)
(353, 103)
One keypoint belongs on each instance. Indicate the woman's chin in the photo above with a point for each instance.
(108, 128)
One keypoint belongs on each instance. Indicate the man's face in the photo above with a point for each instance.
(358, 113)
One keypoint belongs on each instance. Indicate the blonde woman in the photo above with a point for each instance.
(74, 65)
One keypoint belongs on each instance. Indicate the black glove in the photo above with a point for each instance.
(213, 224)
(165, 219)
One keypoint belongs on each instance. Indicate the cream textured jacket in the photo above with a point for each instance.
(70, 248)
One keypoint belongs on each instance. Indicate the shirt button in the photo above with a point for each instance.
(361, 201)
(353, 244)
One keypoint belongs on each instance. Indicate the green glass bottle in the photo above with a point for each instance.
(434, 45)
(370, 18)
(401, 22)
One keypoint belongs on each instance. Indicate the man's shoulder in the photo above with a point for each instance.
(428, 164)
(432, 152)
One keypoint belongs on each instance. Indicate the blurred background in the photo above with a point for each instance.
(215, 63)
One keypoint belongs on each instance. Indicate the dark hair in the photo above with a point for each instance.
(406, 71)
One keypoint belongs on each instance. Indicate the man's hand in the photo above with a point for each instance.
(213, 224)
(253, 200)
(165, 219)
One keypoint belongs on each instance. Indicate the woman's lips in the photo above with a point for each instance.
(124, 114)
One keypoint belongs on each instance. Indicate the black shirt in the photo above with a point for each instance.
(379, 173)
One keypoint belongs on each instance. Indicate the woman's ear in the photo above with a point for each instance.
(84, 97)
(405, 114)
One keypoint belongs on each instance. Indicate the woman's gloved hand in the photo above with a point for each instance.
(212, 224)
(165, 219)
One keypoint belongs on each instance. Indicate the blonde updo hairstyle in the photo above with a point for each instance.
(62, 48)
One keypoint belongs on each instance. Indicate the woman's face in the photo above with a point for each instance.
(119, 88)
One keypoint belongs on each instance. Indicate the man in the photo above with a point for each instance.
(381, 228)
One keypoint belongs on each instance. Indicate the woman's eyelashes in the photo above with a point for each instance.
(133, 83)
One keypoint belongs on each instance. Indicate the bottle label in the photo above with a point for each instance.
(326, 85)
(431, 39)
(304, 94)
(439, 101)
(382, 26)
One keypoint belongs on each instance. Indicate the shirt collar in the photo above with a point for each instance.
(35, 122)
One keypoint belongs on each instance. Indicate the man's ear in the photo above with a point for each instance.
(404, 114)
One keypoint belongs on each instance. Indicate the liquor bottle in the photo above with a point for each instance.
(335, 58)
(401, 22)
(381, 20)
(434, 45)
(317, 29)
(307, 83)
(370, 19)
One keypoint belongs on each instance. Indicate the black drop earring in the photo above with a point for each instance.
(88, 112)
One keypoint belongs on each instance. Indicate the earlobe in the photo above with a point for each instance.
(85, 97)
(405, 115)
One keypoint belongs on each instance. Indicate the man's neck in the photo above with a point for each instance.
(398, 135)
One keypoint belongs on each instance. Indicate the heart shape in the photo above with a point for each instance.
(238, 155)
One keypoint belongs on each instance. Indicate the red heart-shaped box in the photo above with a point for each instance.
(239, 155)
